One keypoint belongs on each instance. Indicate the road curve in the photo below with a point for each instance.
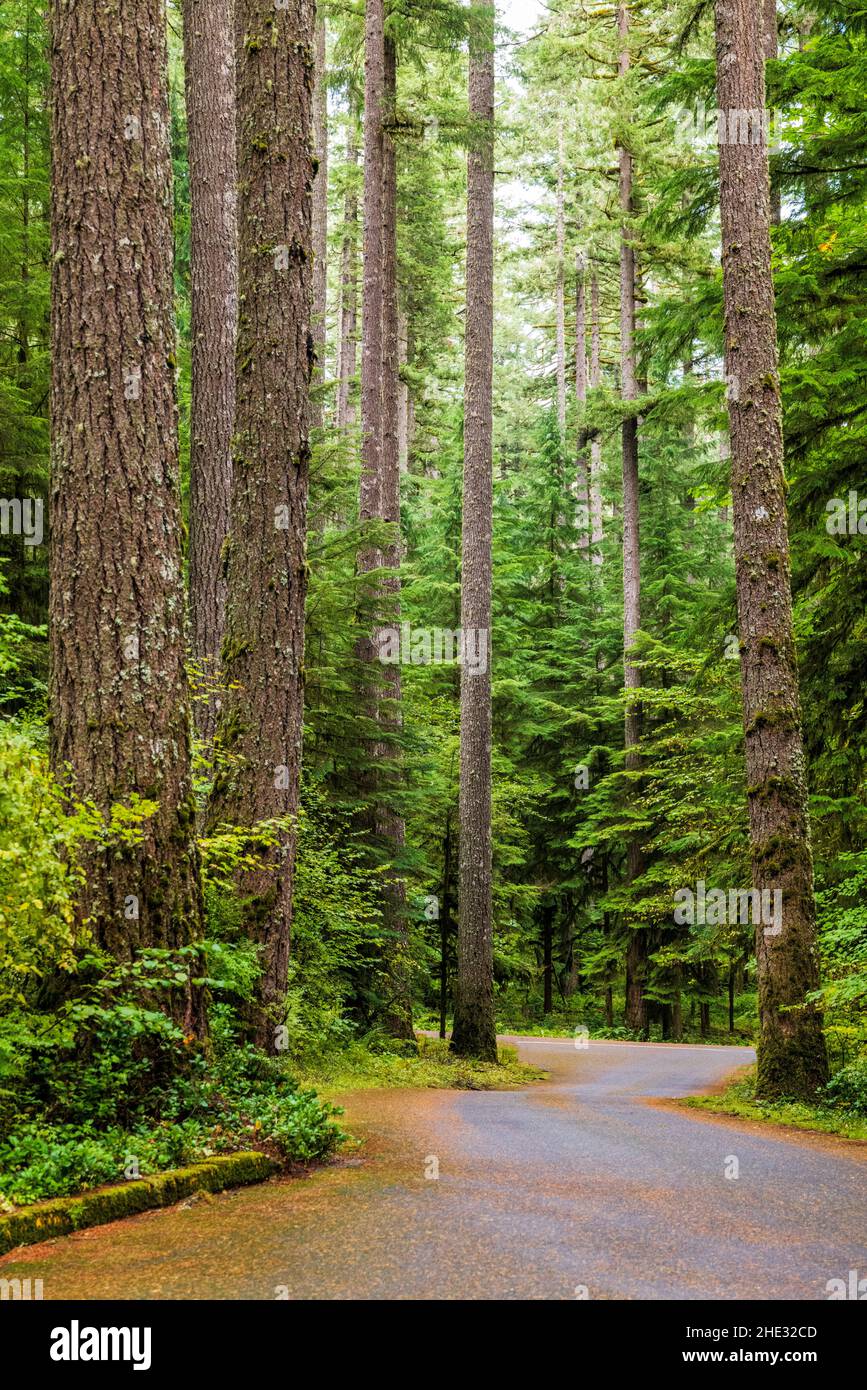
(579, 1187)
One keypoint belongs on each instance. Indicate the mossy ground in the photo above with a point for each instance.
(739, 1099)
(357, 1068)
(62, 1215)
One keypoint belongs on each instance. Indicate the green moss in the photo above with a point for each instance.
(781, 718)
(739, 1099)
(779, 853)
(782, 787)
(434, 1066)
(63, 1215)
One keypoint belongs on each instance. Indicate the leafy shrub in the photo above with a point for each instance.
(847, 1089)
(36, 882)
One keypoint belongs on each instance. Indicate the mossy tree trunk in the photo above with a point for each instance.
(792, 1054)
(379, 497)
(320, 211)
(120, 707)
(347, 346)
(597, 531)
(263, 652)
(582, 479)
(390, 824)
(474, 1028)
(560, 290)
(636, 949)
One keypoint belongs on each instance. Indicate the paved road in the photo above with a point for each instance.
(578, 1187)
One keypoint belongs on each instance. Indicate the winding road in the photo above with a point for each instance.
(580, 1187)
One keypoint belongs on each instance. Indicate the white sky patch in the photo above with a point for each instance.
(521, 15)
(523, 18)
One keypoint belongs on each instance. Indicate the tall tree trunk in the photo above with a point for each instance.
(389, 822)
(370, 480)
(597, 531)
(320, 212)
(372, 275)
(209, 67)
(261, 721)
(445, 922)
(474, 1031)
(792, 1056)
(582, 481)
(119, 698)
(561, 289)
(548, 959)
(347, 351)
(771, 45)
(404, 404)
(636, 953)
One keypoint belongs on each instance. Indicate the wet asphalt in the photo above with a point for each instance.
(587, 1186)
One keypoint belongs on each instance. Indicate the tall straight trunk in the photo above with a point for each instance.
(561, 288)
(379, 493)
(390, 823)
(582, 481)
(261, 720)
(372, 274)
(548, 959)
(120, 703)
(597, 531)
(445, 923)
(348, 345)
(636, 953)
(474, 1031)
(320, 210)
(370, 480)
(404, 403)
(771, 46)
(209, 68)
(792, 1058)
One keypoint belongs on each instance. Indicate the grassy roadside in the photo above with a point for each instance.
(739, 1099)
(358, 1069)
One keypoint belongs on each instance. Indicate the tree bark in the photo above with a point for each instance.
(792, 1058)
(390, 823)
(372, 274)
(548, 960)
(120, 710)
(474, 1031)
(320, 212)
(348, 283)
(582, 481)
(260, 726)
(561, 289)
(445, 923)
(209, 68)
(771, 45)
(597, 531)
(636, 954)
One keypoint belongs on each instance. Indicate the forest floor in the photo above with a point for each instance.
(587, 1185)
